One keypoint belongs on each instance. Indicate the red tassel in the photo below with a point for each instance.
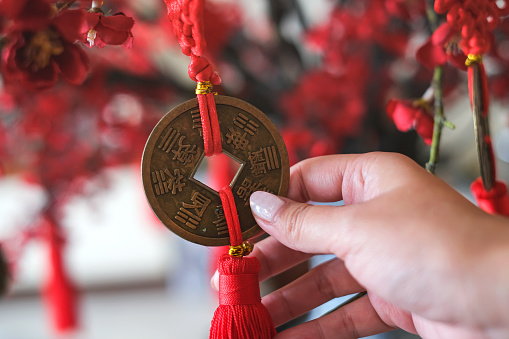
(495, 201)
(59, 292)
(240, 314)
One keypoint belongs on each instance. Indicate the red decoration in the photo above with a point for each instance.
(187, 19)
(496, 201)
(475, 19)
(220, 174)
(408, 115)
(59, 291)
(37, 52)
(240, 314)
(331, 86)
(100, 30)
(442, 47)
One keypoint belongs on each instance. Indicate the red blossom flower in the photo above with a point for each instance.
(441, 47)
(332, 101)
(415, 115)
(37, 52)
(27, 14)
(405, 9)
(100, 30)
(302, 143)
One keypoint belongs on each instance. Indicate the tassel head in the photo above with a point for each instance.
(240, 314)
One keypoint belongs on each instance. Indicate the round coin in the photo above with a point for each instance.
(175, 150)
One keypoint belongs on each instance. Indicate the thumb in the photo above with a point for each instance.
(302, 227)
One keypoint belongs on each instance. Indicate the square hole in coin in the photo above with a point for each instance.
(218, 171)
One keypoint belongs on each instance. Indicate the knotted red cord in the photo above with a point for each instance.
(187, 19)
(240, 314)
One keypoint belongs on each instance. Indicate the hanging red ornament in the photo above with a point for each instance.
(490, 194)
(206, 126)
(240, 314)
(59, 291)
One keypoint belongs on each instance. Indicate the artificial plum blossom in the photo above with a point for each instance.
(408, 115)
(26, 14)
(100, 30)
(37, 52)
(404, 9)
(441, 47)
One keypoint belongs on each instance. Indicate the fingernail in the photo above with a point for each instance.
(265, 205)
(214, 282)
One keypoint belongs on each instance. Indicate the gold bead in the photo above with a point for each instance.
(471, 58)
(204, 87)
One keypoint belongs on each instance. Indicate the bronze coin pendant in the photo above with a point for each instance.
(174, 151)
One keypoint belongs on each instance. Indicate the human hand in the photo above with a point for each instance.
(432, 263)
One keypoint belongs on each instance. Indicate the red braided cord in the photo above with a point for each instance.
(231, 216)
(187, 19)
(205, 124)
(214, 123)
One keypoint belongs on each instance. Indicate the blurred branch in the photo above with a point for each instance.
(438, 77)
(431, 15)
(436, 84)
(300, 14)
(64, 4)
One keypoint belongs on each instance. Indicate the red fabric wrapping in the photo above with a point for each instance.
(59, 293)
(239, 289)
(495, 201)
(240, 314)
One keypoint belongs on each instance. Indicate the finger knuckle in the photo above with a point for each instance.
(295, 220)
(348, 324)
(323, 283)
